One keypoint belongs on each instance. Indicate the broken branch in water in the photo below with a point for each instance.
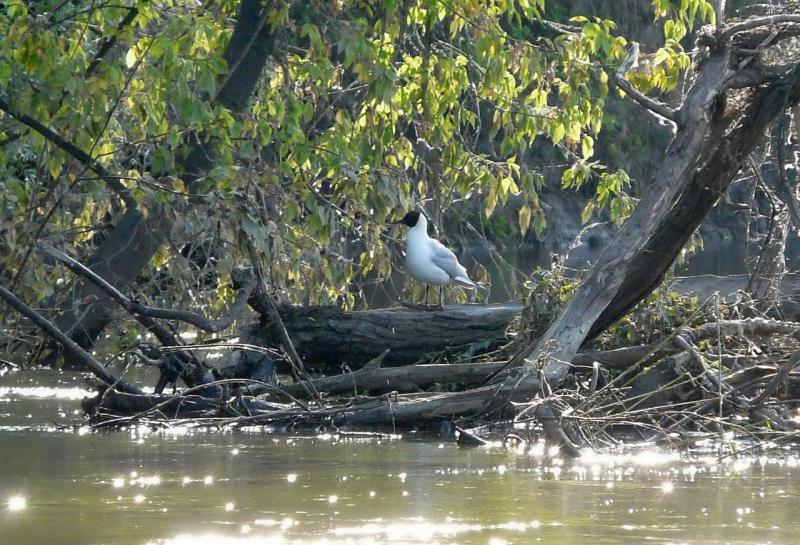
(71, 347)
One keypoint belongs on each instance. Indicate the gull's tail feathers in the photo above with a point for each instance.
(465, 282)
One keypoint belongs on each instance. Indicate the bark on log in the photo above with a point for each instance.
(412, 378)
(403, 410)
(330, 337)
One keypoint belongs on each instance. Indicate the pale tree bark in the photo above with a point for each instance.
(713, 139)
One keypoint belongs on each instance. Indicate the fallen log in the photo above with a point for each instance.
(404, 410)
(412, 378)
(327, 336)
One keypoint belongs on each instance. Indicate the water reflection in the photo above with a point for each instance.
(198, 487)
(43, 392)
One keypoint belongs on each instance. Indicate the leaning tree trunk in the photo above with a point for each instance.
(713, 139)
(135, 239)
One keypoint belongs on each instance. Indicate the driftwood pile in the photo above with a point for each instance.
(443, 370)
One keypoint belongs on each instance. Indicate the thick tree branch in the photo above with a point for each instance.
(411, 378)
(750, 24)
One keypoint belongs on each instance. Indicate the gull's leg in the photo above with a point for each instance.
(427, 293)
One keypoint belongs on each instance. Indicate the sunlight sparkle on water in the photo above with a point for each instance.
(667, 487)
(291, 478)
(285, 523)
(230, 506)
(642, 458)
(208, 479)
(44, 392)
(333, 499)
(418, 531)
(17, 503)
(153, 480)
(118, 482)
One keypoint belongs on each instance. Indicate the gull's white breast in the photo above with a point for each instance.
(419, 260)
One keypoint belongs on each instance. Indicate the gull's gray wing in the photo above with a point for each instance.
(445, 259)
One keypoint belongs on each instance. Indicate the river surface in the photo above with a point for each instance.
(63, 485)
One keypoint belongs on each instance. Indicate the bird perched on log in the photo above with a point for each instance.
(430, 261)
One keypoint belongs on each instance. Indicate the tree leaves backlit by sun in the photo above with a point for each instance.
(364, 109)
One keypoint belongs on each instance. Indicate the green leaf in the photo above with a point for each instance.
(587, 146)
(491, 202)
(207, 81)
(131, 57)
(588, 210)
(524, 219)
(558, 133)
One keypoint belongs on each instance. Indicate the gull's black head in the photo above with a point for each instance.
(410, 218)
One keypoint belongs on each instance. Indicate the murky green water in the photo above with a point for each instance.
(253, 488)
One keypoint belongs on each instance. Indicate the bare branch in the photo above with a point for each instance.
(750, 24)
(298, 367)
(108, 42)
(719, 10)
(136, 307)
(651, 104)
(780, 376)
